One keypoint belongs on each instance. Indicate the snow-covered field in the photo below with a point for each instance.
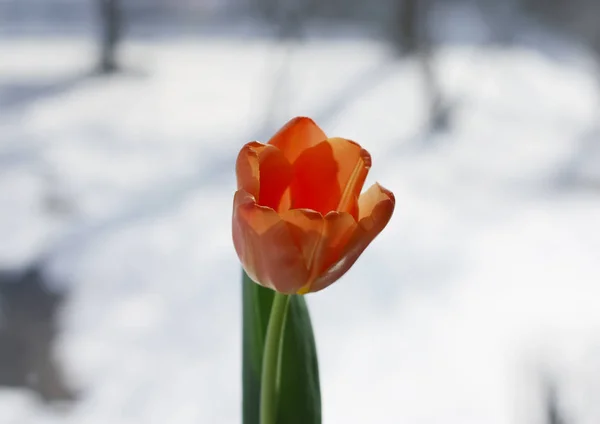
(486, 277)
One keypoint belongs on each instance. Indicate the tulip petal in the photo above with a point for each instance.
(321, 239)
(297, 135)
(376, 206)
(307, 228)
(265, 246)
(339, 230)
(329, 177)
(341, 227)
(264, 172)
(247, 168)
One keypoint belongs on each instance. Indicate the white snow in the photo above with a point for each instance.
(486, 276)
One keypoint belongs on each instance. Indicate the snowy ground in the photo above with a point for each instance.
(486, 277)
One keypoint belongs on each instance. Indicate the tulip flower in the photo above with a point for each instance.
(299, 218)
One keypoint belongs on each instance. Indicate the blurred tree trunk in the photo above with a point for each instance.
(292, 17)
(28, 333)
(405, 26)
(287, 16)
(409, 36)
(111, 27)
(553, 412)
(267, 10)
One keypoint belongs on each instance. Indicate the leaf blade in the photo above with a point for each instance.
(299, 397)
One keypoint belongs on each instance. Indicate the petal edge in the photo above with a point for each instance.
(378, 206)
(297, 135)
(265, 246)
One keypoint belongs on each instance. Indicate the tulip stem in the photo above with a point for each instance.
(271, 365)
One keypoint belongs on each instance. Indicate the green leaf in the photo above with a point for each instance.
(299, 397)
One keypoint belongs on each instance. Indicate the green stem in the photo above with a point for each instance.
(271, 359)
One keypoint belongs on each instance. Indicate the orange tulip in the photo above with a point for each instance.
(299, 220)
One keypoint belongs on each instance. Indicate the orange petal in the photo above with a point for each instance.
(376, 206)
(341, 227)
(296, 136)
(265, 246)
(247, 168)
(307, 228)
(321, 239)
(264, 172)
(329, 177)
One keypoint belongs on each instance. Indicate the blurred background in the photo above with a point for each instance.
(120, 121)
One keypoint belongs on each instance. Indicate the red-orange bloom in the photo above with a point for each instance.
(299, 220)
